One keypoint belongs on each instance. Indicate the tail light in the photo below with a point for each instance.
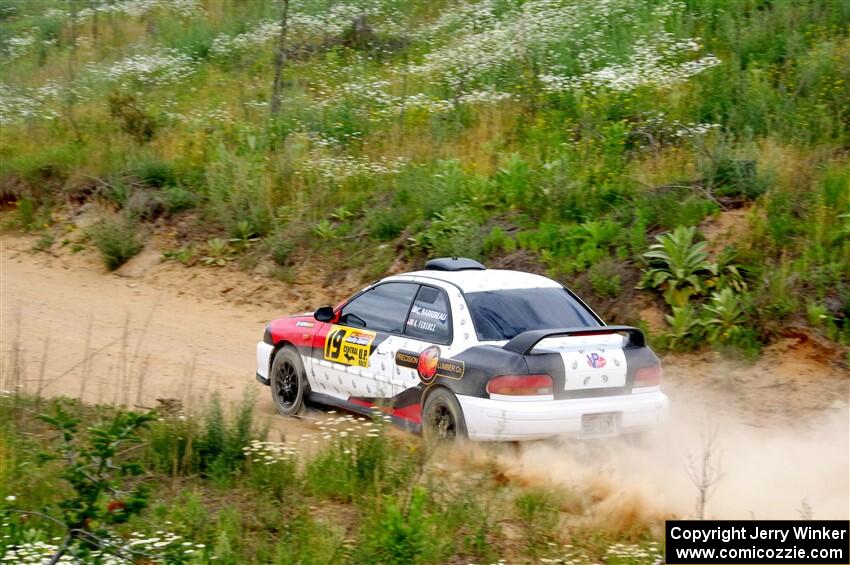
(648, 376)
(520, 385)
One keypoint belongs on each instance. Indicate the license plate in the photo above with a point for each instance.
(599, 424)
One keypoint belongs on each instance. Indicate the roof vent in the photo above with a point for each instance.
(454, 264)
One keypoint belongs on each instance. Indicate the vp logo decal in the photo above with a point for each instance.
(595, 360)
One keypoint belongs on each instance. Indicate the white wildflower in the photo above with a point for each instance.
(157, 67)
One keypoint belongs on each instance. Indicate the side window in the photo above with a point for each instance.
(430, 319)
(381, 309)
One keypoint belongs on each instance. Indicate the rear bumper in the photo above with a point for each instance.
(507, 420)
(264, 357)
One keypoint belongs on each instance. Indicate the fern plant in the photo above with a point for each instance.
(678, 266)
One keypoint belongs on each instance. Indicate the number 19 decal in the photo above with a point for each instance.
(348, 346)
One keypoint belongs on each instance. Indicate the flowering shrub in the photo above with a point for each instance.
(16, 46)
(28, 103)
(130, 8)
(344, 166)
(628, 553)
(655, 61)
(163, 546)
(485, 42)
(269, 452)
(262, 33)
(158, 67)
(302, 26)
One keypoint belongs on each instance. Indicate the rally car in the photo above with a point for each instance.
(458, 350)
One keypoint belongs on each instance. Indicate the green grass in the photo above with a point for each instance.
(210, 489)
(391, 134)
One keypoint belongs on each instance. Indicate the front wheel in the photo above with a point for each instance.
(288, 382)
(442, 417)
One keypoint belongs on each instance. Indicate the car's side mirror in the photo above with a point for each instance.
(324, 314)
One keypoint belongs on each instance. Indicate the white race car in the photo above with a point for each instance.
(458, 350)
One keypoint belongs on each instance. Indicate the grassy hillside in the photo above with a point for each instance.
(696, 150)
(211, 489)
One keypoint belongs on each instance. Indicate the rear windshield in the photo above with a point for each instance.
(503, 314)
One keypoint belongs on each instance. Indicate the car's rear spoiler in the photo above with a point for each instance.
(526, 341)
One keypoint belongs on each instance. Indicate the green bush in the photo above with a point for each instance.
(386, 224)
(282, 248)
(497, 241)
(155, 173)
(539, 516)
(46, 166)
(239, 191)
(32, 214)
(215, 445)
(220, 445)
(452, 233)
(132, 116)
(25, 208)
(117, 239)
(305, 541)
(346, 473)
(99, 474)
(176, 199)
(171, 445)
(398, 533)
(275, 478)
(605, 279)
(514, 183)
(734, 177)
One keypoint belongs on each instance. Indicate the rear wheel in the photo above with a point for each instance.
(442, 417)
(288, 382)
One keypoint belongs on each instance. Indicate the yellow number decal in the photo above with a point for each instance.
(348, 346)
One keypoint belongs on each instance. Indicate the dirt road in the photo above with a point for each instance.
(69, 329)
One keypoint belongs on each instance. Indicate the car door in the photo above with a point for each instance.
(422, 352)
(356, 360)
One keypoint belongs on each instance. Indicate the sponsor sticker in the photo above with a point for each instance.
(596, 361)
(304, 324)
(429, 365)
(349, 346)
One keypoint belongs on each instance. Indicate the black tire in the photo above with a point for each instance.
(442, 417)
(288, 382)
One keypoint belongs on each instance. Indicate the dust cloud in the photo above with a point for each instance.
(771, 472)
